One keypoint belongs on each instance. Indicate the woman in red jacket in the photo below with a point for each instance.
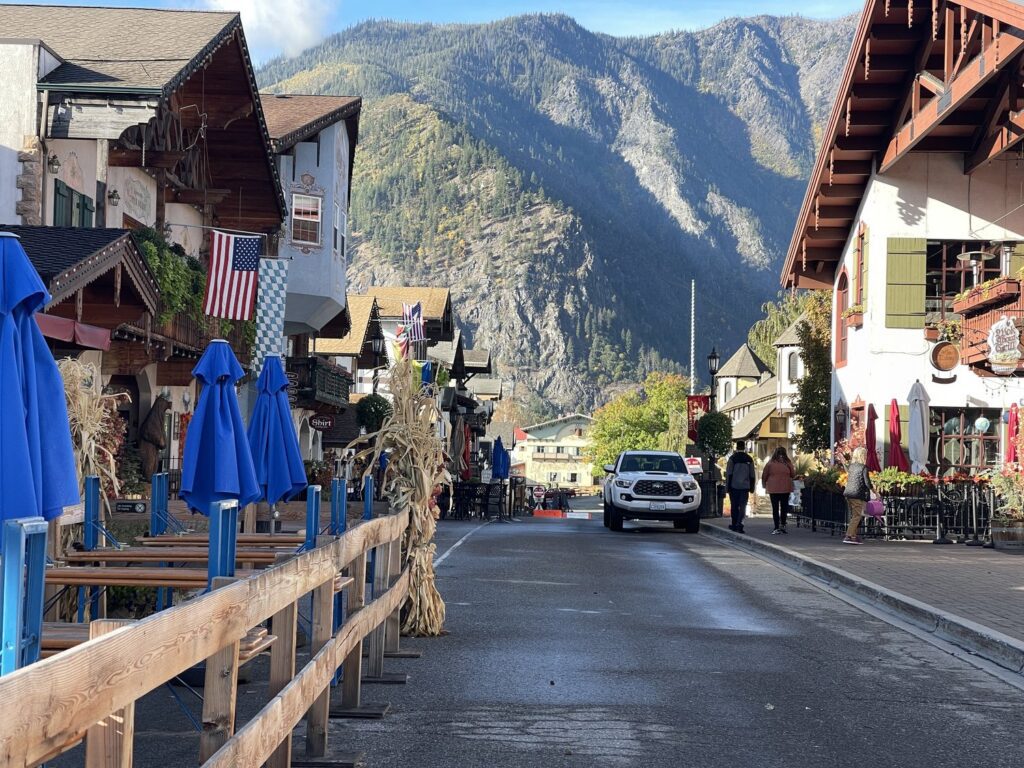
(777, 478)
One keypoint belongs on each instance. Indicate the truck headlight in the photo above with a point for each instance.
(689, 485)
(624, 483)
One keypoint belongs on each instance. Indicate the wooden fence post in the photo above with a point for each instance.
(282, 670)
(323, 630)
(354, 661)
(108, 743)
(221, 694)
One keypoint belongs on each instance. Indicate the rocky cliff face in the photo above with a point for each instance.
(568, 185)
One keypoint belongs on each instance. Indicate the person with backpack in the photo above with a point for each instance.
(739, 482)
(778, 478)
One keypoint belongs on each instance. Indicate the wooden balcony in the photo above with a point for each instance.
(315, 381)
(976, 324)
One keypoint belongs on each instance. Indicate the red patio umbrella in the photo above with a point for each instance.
(896, 456)
(871, 440)
(1013, 428)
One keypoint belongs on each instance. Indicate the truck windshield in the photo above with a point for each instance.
(652, 462)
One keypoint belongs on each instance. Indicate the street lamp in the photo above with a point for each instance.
(713, 361)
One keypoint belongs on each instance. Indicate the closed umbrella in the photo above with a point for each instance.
(272, 439)
(500, 463)
(218, 461)
(871, 440)
(896, 456)
(1013, 428)
(917, 437)
(37, 462)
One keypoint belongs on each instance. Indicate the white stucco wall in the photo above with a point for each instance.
(18, 63)
(185, 223)
(77, 169)
(925, 196)
(137, 190)
(317, 275)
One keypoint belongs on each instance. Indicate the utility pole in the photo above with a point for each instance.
(693, 340)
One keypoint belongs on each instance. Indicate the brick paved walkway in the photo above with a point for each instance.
(983, 585)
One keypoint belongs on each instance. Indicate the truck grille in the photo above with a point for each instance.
(657, 488)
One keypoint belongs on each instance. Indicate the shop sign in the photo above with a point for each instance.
(1003, 346)
(322, 423)
(694, 465)
(945, 356)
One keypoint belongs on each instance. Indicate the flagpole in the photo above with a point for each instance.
(693, 341)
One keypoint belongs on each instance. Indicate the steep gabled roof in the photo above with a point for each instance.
(363, 311)
(764, 391)
(292, 118)
(743, 364)
(139, 50)
(789, 337)
(569, 417)
(917, 79)
(436, 301)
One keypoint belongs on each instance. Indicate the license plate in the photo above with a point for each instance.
(658, 506)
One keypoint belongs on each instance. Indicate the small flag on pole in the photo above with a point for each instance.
(234, 269)
(412, 317)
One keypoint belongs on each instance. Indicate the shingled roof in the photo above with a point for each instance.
(743, 364)
(121, 49)
(789, 337)
(390, 299)
(292, 118)
(363, 310)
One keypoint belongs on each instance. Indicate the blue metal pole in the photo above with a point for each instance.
(21, 591)
(92, 530)
(312, 516)
(158, 527)
(223, 535)
(339, 506)
(368, 515)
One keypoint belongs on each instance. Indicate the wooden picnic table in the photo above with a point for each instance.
(124, 576)
(243, 540)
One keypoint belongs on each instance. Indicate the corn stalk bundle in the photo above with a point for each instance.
(415, 467)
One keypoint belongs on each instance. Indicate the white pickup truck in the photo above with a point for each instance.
(651, 485)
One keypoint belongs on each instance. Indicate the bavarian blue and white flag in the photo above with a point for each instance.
(270, 306)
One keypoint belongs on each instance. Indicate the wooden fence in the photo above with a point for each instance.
(90, 691)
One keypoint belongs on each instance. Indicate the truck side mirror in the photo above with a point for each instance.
(609, 468)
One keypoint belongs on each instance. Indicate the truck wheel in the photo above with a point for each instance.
(615, 519)
(607, 514)
(690, 525)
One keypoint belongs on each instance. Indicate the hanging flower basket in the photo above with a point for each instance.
(991, 292)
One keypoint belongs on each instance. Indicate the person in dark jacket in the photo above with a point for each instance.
(857, 492)
(739, 482)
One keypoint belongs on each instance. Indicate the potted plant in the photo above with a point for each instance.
(1008, 515)
(854, 316)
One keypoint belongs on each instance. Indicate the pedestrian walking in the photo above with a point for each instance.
(777, 479)
(739, 482)
(857, 492)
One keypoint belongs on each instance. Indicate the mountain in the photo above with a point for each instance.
(568, 185)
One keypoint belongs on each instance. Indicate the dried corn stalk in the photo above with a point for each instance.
(415, 467)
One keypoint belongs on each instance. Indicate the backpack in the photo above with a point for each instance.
(742, 475)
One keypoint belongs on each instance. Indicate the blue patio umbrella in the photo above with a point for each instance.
(500, 461)
(37, 463)
(275, 446)
(218, 464)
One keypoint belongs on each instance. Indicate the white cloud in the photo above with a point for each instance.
(280, 26)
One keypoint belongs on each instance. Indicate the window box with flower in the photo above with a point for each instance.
(854, 316)
(986, 294)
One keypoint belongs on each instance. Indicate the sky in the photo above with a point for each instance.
(274, 27)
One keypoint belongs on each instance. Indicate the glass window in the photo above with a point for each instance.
(652, 462)
(572, 477)
(947, 274)
(306, 219)
(964, 440)
(539, 449)
(552, 477)
(842, 304)
(726, 392)
(794, 366)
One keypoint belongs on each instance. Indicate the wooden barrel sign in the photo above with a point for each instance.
(945, 356)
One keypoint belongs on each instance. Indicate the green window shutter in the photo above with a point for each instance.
(864, 269)
(1017, 260)
(905, 282)
(88, 212)
(61, 204)
(76, 209)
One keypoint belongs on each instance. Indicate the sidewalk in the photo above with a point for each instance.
(976, 586)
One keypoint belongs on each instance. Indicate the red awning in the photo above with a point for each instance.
(65, 329)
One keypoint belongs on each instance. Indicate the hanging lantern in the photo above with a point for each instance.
(982, 424)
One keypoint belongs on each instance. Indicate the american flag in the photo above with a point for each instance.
(234, 269)
(412, 317)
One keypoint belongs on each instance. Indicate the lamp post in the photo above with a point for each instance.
(713, 361)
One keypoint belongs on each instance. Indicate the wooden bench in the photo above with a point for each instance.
(60, 636)
(187, 554)
(125, 576)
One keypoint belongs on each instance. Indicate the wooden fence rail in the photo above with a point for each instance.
(51, 705)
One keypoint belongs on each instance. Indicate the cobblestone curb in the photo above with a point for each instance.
(1001, 649)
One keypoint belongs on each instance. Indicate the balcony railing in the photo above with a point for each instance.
(315, 380)
(978, 321)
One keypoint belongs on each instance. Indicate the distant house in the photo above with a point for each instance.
(744, 369)
(554, 452)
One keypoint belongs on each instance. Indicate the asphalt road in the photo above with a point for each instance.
(569, 645)
(573, 646)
